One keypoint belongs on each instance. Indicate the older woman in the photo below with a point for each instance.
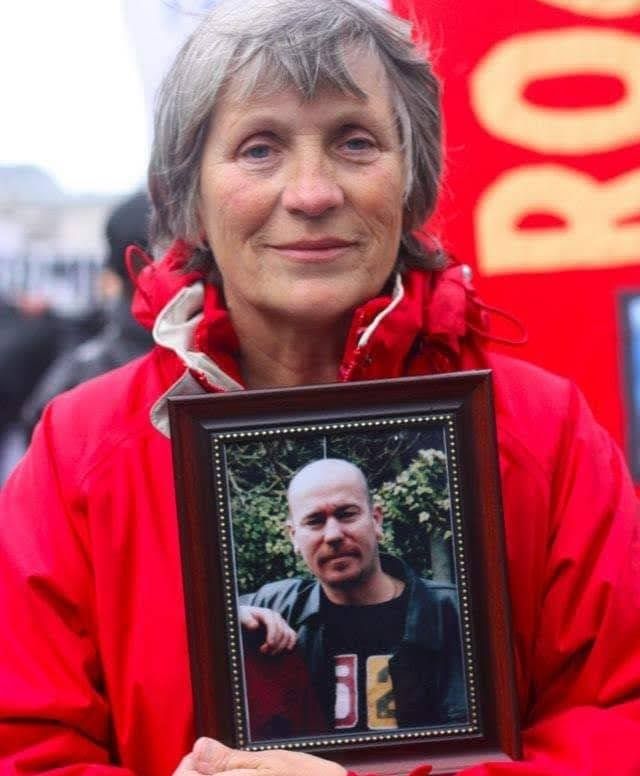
(297, 149)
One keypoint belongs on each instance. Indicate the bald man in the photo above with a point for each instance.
(382, 644)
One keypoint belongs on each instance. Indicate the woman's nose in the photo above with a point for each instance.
(311, 190)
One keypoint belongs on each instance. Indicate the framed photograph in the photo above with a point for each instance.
(344, 571)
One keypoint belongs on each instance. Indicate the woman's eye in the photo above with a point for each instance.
(257, 152)
(358, 144)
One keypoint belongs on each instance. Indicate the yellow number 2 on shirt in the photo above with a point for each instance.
(381, 707)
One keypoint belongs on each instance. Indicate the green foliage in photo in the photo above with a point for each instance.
(416, 508)
(406, 471)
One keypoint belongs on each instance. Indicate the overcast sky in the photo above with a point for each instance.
(72, 96)
(71, 85)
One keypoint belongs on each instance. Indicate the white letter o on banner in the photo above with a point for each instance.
(603, 9)
(498, 82)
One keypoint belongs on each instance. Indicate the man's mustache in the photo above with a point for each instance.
(349, 552)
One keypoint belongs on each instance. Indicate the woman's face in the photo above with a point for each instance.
(301, 202)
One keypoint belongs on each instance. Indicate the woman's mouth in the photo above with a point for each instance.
(316, 250)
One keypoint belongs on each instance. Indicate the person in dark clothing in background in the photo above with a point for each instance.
(122, 338)
(28, 341)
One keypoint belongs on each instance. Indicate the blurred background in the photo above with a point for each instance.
(541, 194)
(77, 81)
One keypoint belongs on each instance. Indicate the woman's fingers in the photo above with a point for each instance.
(211, 757)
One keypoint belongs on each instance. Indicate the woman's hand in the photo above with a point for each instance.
(279, 635)
(210, 757)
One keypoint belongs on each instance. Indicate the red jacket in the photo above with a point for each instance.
(93, 650)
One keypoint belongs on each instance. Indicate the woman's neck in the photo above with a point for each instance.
(277, 353)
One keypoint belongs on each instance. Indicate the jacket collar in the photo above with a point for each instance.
(418, 327)
(390, 565)
(423, 625)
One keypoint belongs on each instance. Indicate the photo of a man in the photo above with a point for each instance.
(382, 645)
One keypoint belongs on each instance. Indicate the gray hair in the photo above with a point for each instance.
(268, 45)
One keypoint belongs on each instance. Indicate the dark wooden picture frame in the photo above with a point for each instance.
(206, 433)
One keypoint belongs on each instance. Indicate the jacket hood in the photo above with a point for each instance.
(156, 282)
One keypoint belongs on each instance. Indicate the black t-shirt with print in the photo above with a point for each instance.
(360, 640)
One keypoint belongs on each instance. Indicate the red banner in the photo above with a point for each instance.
(542, 190)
